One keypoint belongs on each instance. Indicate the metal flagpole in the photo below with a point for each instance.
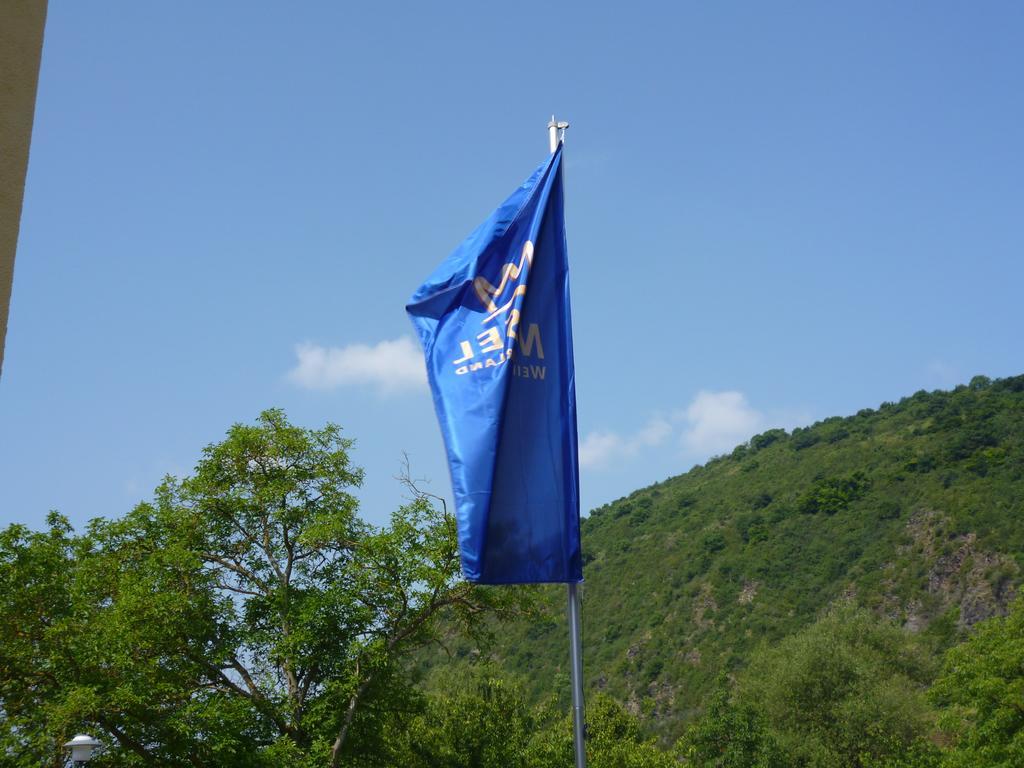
(575, 634)
(576, 660)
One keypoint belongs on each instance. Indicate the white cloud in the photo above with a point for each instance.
(717, 422)
(599, 448)
(390, 366)
(713, 423)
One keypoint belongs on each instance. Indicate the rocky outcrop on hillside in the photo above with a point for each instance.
(958, 573)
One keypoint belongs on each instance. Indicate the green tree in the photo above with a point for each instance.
(474, 718)
(848, 690)
(479, 718)
(981, 691)
(614, 739)
(35, 597)
(730, 735)
(246, 616)
(835, 495)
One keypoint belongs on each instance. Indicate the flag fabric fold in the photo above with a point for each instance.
(495, 327)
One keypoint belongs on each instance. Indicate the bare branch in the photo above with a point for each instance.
(125, 740)
(235, 566)
(239, 590)
(414, 485)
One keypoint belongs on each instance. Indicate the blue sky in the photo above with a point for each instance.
(776, 213)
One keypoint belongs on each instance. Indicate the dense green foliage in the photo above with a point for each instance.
(912, 511)
(731, 733)
(849, 690)
(479, 718)
(832, 597)
(981, 692)
(852, 690)
(245, 617)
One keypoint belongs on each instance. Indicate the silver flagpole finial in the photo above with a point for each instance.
(556, 133)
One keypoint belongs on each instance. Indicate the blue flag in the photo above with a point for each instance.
(494, 323)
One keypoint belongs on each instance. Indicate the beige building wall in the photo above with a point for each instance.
(21, 45)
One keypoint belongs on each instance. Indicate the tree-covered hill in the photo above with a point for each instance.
(914, 510)
(809, 601)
